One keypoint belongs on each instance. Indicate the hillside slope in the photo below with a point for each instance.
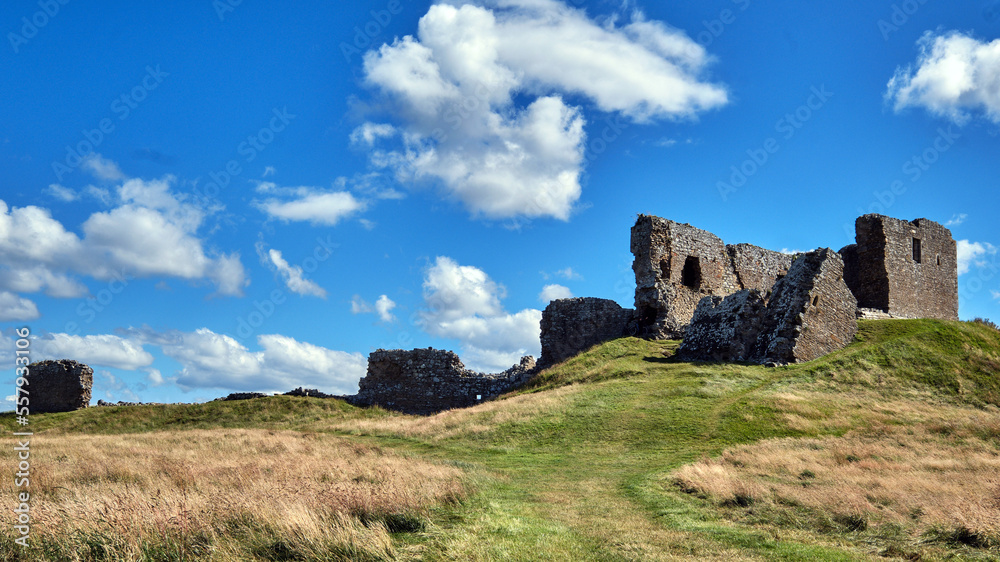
(623, 453)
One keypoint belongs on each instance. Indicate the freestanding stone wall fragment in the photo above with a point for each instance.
(570, 326)
(675, 266)
(724, 329)
(425, 381)
(811, 311)
(758, 268)
(907, 269)
(59, 386)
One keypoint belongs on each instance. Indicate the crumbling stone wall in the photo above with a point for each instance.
(724, 329)
(758, 268)
(811, 312)
(908, 269)
(59, 386)
(570, 326)
(675, 266)
(425, 381)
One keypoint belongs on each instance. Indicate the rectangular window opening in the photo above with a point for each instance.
(916, 250)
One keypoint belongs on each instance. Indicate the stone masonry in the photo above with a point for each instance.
(676, 265)
(425, 381)
(59, 386)
(571, 326)
(906, 269)
(810, 313)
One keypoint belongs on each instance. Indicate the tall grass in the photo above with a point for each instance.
(222, 495)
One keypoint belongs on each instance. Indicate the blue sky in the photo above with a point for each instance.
(206, 197)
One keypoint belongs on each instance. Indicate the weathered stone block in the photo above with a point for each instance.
(571, 326)
(758, 268)
(59, 386)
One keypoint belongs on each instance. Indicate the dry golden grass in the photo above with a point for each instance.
(226, 494)
(936, 475)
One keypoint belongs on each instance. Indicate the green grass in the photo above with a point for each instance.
(577, 465)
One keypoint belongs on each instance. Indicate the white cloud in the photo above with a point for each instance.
(211, 360)
(452, 90)
(995, 294)
(463, 303)
(360, 306)
(568, 273)
(292, 275)
(957, 219)
(269, 171)
(104, 350)
(384, 306)
(102, 168)
(151, 232)
(956, 75)
(971, 253)
(368, 133)
(155, 377)
(13, 308)
(554, 292)
(62, 193)
(310, 204)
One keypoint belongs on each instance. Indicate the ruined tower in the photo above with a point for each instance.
(908, 269)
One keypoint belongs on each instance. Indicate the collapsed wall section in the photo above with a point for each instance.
(675, 266)
(908, 269)
(571, 326)
(724, 329)
(810, 313)
(425, 381)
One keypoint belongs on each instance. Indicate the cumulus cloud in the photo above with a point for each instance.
(972, 253)
(463, 303)
(293, 276)
(102, 168)
(452, 90)
(151, 232)
(310, 204)
(212, 360)
(104, 350)
(13, 308)
(384, 306)
(554, 292)
(956, 76)
(995, 294)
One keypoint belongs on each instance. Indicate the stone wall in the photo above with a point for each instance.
(425, 381)
(758, 268)
(675, 266)
(810, 313)
(571, 326)
(908, 269)
(724, 329)
(59, 386)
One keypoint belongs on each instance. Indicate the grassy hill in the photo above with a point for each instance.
(889, 449)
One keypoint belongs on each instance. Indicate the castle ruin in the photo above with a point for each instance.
(728, 302)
